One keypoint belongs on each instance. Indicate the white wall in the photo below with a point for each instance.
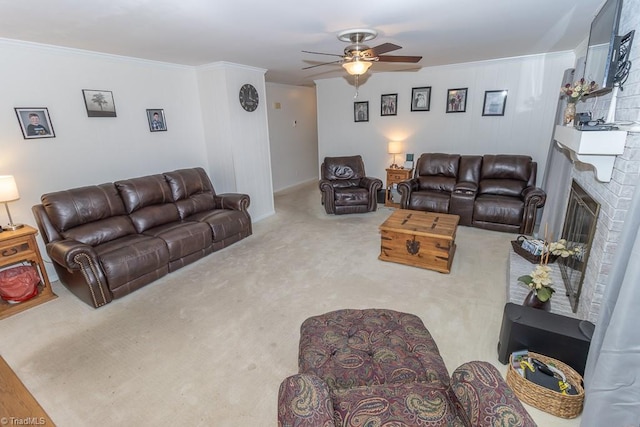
(293, 134)
(92, 150)
(533, 83)
(237, 140)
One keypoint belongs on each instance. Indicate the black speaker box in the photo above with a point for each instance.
(560, 337)
(380, 196)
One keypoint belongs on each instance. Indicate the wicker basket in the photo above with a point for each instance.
(533, 259)
(547, 400)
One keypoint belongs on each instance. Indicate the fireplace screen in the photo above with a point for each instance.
(579, 229)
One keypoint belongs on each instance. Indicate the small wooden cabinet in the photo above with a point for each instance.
(18, 247)
(395, 176)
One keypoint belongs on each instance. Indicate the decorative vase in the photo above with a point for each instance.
(569, 114)
(532, 301)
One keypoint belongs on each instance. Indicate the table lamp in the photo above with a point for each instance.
(9, 193)
(394, 147)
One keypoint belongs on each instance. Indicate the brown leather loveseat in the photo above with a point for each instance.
(495, 192)
(108, 240)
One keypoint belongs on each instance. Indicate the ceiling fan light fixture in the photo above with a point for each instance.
(356, 67)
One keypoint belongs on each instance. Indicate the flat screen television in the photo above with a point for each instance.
(602, 52)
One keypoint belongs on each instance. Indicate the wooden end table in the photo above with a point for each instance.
(18, 247)
(394, 177)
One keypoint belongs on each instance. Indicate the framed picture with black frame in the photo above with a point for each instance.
(457, 100)
(157, 122)
(421, 98)
(495, 102)
(35, 123)
(389, 104)
(99, 103)
(361, 111)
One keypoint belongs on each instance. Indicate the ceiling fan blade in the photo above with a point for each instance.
(383, 48)
(322, 53)
(398, 58)
(324, 63)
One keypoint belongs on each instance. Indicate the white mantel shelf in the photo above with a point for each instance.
(597, 148)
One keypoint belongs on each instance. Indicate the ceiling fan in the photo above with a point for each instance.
(358, 57)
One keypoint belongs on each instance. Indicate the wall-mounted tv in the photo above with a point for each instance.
(602, 51)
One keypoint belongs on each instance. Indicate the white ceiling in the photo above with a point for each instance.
(272, 34)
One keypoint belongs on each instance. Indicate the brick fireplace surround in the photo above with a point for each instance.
(614, 196)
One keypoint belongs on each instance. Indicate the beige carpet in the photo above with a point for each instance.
(209, 344)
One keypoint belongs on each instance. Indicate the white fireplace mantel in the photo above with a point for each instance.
(597, 148)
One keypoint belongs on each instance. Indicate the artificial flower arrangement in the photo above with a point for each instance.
(578, 90)
(539, 280)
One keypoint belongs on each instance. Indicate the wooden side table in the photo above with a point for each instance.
(18, 247)
(395, 176)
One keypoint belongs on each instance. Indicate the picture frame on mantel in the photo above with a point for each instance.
(99, 103)
(495, 102)
(457, 100)
(361, 111)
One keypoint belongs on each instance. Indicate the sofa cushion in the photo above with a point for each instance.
(498, 209)
(430, 201)
(503, 166)
(351, 348)
(191, 190)
(148, 201)
(343, 168)
(128, 258)
(224, 223)
(438, 164)
(414, 404)
(71, 208)
(183, 238)
(351, 196)
(502, 187)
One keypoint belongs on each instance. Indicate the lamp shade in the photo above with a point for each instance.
(356, 67)
(8, 189)
(394, 147)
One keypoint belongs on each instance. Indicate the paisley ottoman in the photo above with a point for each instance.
(377, 367)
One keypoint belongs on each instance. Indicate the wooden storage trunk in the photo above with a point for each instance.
(419, 239)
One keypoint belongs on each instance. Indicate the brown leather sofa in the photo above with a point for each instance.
(495, 192)
(108, 240)
(346, 188)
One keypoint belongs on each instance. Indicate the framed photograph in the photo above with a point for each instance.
(157, 122)
(457, 100)
(494, 102)
(361, 111)
(421, 98)
(99, 103)
(35, 123)
(389, 104)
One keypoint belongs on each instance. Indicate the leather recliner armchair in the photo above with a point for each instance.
(495, 192)
(346, 188)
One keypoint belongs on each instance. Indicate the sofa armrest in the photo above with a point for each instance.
(304, 401)
(81, 261)
(485, 398)
(534, 198)
(405, 188)
(235, 201)
(328, 196)
(371, 183)
(66, 252)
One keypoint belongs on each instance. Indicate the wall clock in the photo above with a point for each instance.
(248, 97)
